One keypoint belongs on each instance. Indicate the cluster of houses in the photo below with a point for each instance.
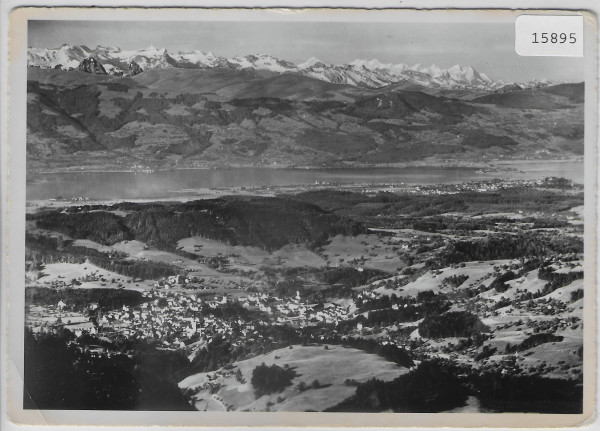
(294, 310)
(173, 318)
(486, 186)
(179, 319)
(48, 319)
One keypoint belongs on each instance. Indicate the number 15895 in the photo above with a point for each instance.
(549, 35)
(554, 38)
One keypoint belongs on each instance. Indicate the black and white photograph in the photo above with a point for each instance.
(304, 215)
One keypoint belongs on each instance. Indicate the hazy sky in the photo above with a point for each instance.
(487, 47)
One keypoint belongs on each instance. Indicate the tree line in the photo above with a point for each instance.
(60, 375)
(438, 385)
(522, 245)
(451, 324)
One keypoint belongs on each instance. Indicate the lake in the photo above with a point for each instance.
(164, 184)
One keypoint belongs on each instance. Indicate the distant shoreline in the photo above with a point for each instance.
(494, 165)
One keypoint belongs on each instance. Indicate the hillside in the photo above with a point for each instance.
(562, 96)
(331, 367)
(175, 117)
(268, 223)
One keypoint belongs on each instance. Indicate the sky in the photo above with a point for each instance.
(488, 47)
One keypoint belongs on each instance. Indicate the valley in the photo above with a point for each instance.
(466, 284)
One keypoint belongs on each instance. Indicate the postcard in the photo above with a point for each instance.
(317, 217)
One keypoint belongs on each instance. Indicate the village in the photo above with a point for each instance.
(179, 319)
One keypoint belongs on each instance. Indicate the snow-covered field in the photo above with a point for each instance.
(331, 367)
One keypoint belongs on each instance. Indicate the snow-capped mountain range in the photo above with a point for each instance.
(361, 73)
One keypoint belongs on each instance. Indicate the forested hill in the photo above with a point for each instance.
(269, 223)
(173, 118)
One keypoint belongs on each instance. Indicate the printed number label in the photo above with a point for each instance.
(554, 38)
(549, 35)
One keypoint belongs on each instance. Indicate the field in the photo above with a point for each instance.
(89, 275)
(330, 365)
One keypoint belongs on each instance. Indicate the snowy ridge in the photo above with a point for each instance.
(362, 73)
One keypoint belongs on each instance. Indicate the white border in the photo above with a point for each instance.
(14, 211)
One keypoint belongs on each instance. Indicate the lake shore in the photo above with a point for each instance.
(203, 183)
(432, 164)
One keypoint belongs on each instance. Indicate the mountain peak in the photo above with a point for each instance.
(108, 48)
(153, 50)
(368, 64)
(92, 65)
(311, 62)
(363, 73)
